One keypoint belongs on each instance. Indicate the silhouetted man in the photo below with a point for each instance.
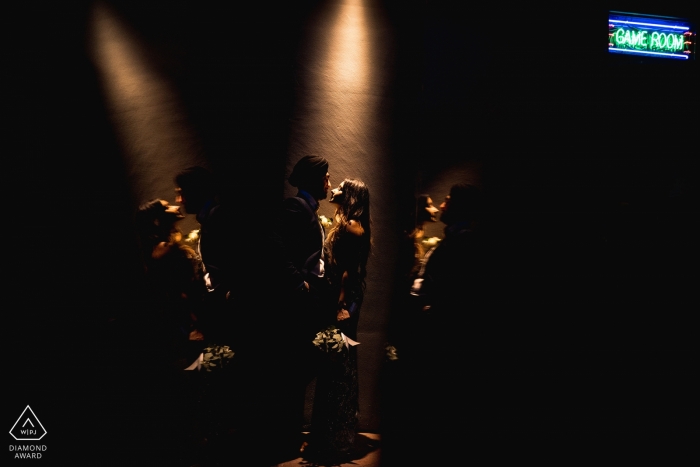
(196, 190)
(298, 236)
(450, 289)
(294, 307)
(444, 283)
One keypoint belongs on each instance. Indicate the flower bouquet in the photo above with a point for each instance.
(216, 357)
(325, 222)
(431, 242)
(193, 237)
(329, 340)
(391, 353)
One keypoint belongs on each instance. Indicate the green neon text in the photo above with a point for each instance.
(643, 40)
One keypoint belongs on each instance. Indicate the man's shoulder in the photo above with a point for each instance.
(218, 218)
(297, 203)
(294, 200)
(210, 210)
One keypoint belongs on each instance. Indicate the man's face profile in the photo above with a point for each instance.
(182, 199)
(444, 208)
(320, 191)
(326, 185)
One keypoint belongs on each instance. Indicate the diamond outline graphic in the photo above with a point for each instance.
(35, 418)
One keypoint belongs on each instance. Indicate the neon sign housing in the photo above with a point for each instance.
(651, 36)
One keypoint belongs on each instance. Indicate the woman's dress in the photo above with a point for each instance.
(174, 288)
(167, 402)
(336, 399)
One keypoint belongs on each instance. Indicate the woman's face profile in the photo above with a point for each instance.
(170, 217)
(431, 210)
(171, 209)
(337, 194)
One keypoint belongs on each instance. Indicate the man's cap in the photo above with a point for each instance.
(308, 171)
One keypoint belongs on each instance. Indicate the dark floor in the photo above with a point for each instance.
(367, 454)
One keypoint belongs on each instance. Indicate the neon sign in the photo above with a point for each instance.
(654, 36)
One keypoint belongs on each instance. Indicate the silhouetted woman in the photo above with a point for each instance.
(404, 333)
(173, 283)
(425, 212)
(167, 338)
(347, 248)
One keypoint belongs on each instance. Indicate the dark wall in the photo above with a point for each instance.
(593, 212)
(590, 222)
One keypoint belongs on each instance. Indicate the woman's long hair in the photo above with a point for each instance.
(421, 217)
(422, 214)
(150, 225)
(354, 205)
(155, 225)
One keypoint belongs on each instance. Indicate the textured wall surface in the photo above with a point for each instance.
(591, 203)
